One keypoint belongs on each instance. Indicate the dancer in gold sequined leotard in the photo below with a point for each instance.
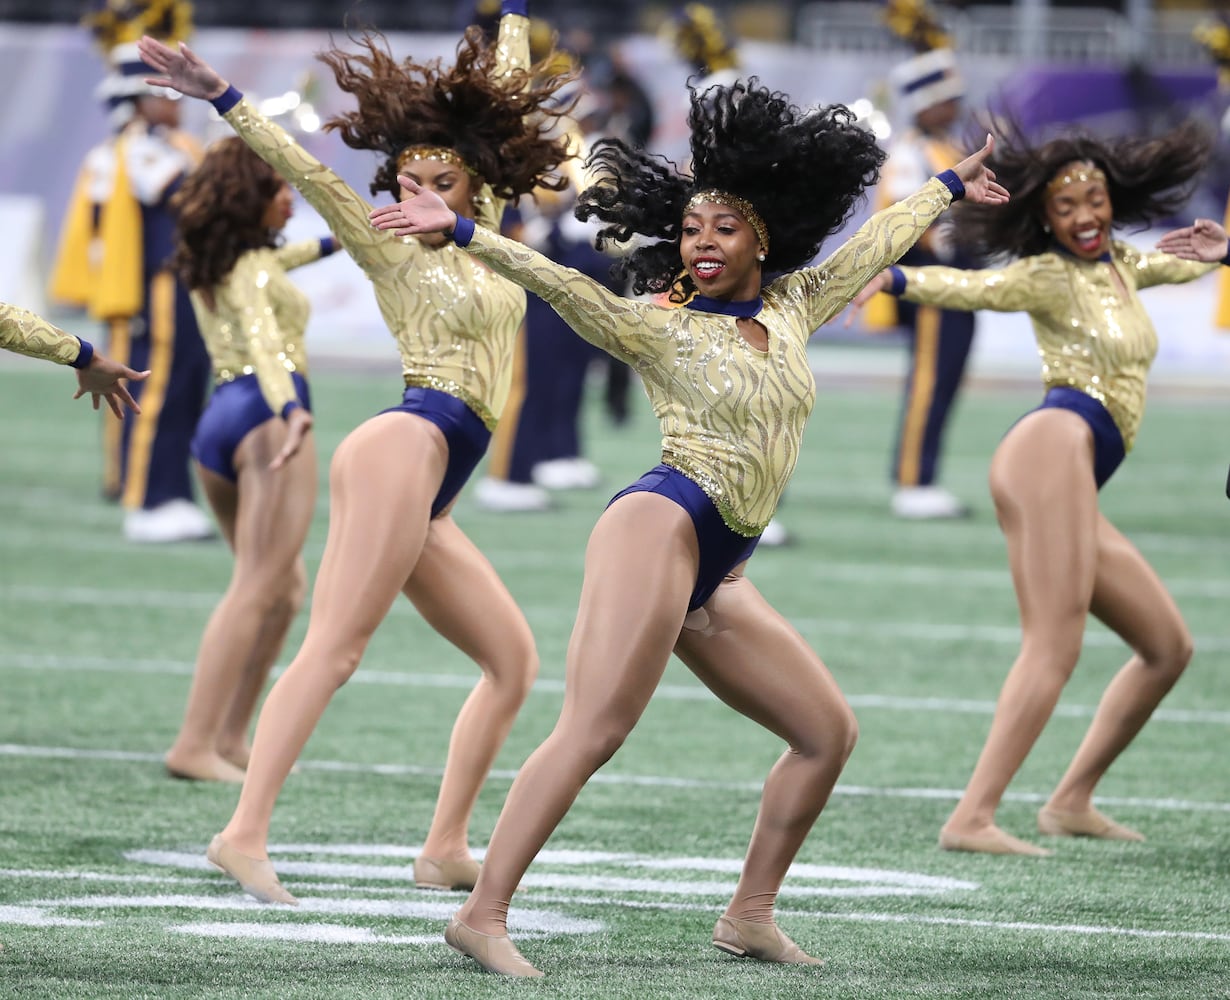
(477, 134)
(1096, 343)
(24, 332)
(729, 380)
(255, 459)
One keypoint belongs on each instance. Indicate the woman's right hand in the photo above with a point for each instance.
(880, 283)
(184, 70)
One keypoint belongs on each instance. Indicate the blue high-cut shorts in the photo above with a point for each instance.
(465, 434)
(235, 409)
(721, 549)
(1108, 450)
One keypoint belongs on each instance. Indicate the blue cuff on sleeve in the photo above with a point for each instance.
(953, 183)
(463, 232)
(1226, 260)
(521, 7)
(227, 100)
(898, 283)
(288, 407)
(328, 245)
(85, 355)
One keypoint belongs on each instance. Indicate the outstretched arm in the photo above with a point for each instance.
(24, 332)
(609, 321)
(888, 234)
(343, 210)
(1204, 240)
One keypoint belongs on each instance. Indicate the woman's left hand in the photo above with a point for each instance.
(979, 179)
(104, 379)
(423, 211)
(1203, 241)
(298, 423)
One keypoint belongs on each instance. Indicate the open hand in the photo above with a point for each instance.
(423, 211)
(102, 379)
(979, 179)
(181, 70)
(1205, 240)
(880, 283)
(298, 423)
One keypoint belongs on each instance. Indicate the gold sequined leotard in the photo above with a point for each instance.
(256, 326)
(732, 416)
(455, 321)
(23, 332)
(1089, 336)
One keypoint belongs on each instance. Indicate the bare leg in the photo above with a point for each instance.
(1042, 483)
(756, 662)
(1131, 600)
(459, 594)
(233, 740)
(382, 481)
(629, 618)
(264, 518)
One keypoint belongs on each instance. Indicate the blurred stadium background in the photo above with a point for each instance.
(1122, 66)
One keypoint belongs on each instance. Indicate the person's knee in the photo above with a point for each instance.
(834, 739)
(1171, 652)
(595, 741)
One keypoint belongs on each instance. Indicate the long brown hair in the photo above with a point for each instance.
(220, 207)
(503, 127)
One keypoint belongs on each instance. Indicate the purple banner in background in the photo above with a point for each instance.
(1040, 97)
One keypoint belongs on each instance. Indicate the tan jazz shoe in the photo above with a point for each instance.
(764, 942)
(433, 873)
(992, 841)
(1091, 823)
(255, 877)
(494, 952)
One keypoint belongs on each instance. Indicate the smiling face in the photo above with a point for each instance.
(450, 182)
(279, 209)
(719, 248)
(1078, 210)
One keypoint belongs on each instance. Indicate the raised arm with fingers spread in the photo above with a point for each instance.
(1204, 240)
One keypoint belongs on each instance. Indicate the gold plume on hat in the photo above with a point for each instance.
(698, 37)
(916, 23)
(117, 22)
(1214, 38)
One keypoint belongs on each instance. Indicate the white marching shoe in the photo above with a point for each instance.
(566, 474)
(927, 503)
(504, 496)
(173, 521)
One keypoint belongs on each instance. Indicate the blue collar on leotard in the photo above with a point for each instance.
(749, 307)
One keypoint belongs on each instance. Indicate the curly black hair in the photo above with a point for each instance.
(1148, 179)
(804, 171)
(502, 126)
(219, 208)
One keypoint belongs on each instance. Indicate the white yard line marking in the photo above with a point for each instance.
(614, 779)
(670, 692)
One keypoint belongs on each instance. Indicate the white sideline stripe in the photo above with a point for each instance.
(865, 629)
(876, 573)
(601, 778)
(901, 918)
(668, 692)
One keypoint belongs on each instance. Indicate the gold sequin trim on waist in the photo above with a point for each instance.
(481, 410)
(713, 490)
(222, 375)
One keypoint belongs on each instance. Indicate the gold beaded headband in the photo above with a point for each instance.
(740, 205)
(440, 154)
(1077, 173)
